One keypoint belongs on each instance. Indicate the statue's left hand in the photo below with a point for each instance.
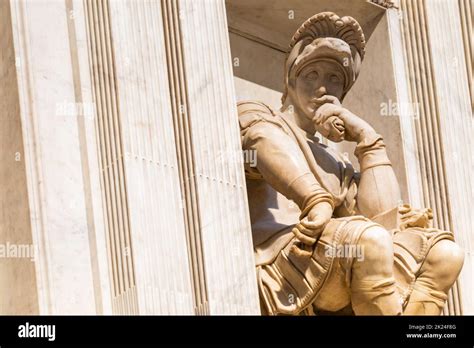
(308, 230)
(318, 217)
(310, 227)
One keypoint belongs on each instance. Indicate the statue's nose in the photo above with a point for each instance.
(321, 91)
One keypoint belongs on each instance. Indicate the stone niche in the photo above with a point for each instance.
(260, 32)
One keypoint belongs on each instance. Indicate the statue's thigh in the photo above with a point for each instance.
(335, 292)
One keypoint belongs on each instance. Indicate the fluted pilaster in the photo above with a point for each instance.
(438, 84)
(218, 163)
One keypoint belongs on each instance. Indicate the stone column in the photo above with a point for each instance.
(432, 35)
(170, 148)
(145, 222)
(62, 197)
(221, 200)
(451, 93)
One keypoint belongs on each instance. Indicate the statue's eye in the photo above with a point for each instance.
(335, 78)
(312, 75)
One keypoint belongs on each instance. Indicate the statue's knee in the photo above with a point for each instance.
(377, 247)
(446, 257)
(444, 261)
(377, 238)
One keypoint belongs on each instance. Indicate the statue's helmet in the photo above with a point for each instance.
(326, 36)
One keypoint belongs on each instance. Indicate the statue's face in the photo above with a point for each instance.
(316, 80)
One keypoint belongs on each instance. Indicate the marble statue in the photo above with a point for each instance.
(328, 238)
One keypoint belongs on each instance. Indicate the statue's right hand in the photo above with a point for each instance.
(330, 126)
(338, 123)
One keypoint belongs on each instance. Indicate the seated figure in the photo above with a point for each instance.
(327, 238)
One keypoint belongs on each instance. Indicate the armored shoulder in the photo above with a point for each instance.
(253, 112)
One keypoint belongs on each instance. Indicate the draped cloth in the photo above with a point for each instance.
(291, 283)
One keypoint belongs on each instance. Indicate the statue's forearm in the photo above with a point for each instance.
(282, 164)
(378, 191)
(378, 187)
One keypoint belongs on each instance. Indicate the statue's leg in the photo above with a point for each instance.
(291, 282)
(437, 275)
(368, 281)
(373, 290)
(335, 294)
